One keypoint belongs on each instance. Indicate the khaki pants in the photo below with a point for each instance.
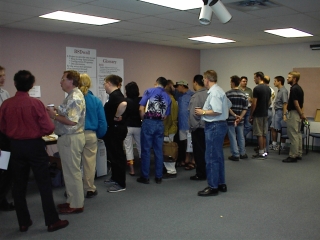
(70, 149)
(89, 158)
(294, 134)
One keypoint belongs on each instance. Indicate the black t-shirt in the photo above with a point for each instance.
(296, 93)
(262, 93)
(132, 112)
(110, 108)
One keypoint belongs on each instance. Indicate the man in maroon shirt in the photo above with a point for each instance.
(25, 120)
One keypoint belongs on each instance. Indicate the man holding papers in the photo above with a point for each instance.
(25, 120)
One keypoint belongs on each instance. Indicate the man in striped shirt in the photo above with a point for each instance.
(235, 120)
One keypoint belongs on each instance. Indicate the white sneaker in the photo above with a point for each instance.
(276, 148)
(271, 146)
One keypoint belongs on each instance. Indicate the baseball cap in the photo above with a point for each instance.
(184, 83)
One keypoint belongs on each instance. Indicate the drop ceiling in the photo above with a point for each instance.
(147, 23)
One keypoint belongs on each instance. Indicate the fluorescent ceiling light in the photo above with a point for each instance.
(288, 33)
(177, 4)
(211, 39)
(78, 18)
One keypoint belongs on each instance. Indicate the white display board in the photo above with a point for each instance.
(83, 60)
(107, 66)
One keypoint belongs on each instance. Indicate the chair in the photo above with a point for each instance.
(314, 135)
(305, 131)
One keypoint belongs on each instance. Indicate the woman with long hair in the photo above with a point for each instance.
(133, 123)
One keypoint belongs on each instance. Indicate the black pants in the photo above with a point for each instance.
(114, 145)
(26, 154)
(5, 184)
(5, 175)
(199, 149)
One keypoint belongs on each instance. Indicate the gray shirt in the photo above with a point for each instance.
(281, 98)
(197, 100)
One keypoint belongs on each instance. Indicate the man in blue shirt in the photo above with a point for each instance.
(155, 106)
(185, 95)
(214, 112)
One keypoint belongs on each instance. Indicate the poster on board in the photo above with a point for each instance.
(83, 60)
(107, 66)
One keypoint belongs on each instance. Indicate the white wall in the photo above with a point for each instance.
(272, 60)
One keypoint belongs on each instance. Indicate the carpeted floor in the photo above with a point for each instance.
(266, 199)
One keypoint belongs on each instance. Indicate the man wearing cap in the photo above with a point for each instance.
(183, 117)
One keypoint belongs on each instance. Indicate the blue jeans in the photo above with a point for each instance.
(152, 133)
(247, 125)
(214, 134)
(237, 141)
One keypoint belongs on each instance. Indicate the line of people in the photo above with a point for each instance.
(162, 112)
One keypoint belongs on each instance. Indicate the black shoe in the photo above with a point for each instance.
(197, 178)
(158, 180)
(289, 160)
(233, 158)
(208, 191)
(143, 180)
(91, 194)
(244, 156)
(299, 158)
(26, 227)
(222, 188)
(169, 175)
(7, 207)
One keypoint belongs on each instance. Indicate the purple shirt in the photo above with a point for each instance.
(159, 103)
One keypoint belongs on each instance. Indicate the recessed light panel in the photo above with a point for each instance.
(177, 4)
(78, 18)
(210, 39)
(288, 33)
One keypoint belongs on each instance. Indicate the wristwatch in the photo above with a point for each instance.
(204, 113)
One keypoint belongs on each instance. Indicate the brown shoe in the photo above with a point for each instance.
(58, 225)
(63, 205)
(70, 210)
(24, 228)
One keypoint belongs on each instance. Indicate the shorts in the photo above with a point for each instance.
(183, 134)
(277, 120)
(260, 126)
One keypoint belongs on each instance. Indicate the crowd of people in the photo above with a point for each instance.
(166, 112)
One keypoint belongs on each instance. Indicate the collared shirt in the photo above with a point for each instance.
(197, 100)
(281, 98)
(239, 103)
(218, 102)
(296, 93)
(74, 109)
(183, 104)
(159, 105)
(248, 93)
(24, 117)
(3, 95)
(95, 119)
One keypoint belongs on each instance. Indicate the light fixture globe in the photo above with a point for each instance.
(205, 15)
(220, 11)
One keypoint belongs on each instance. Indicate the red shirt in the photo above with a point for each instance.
(24, 117)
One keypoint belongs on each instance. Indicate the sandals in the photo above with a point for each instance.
(181, 164)
(190, 166)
